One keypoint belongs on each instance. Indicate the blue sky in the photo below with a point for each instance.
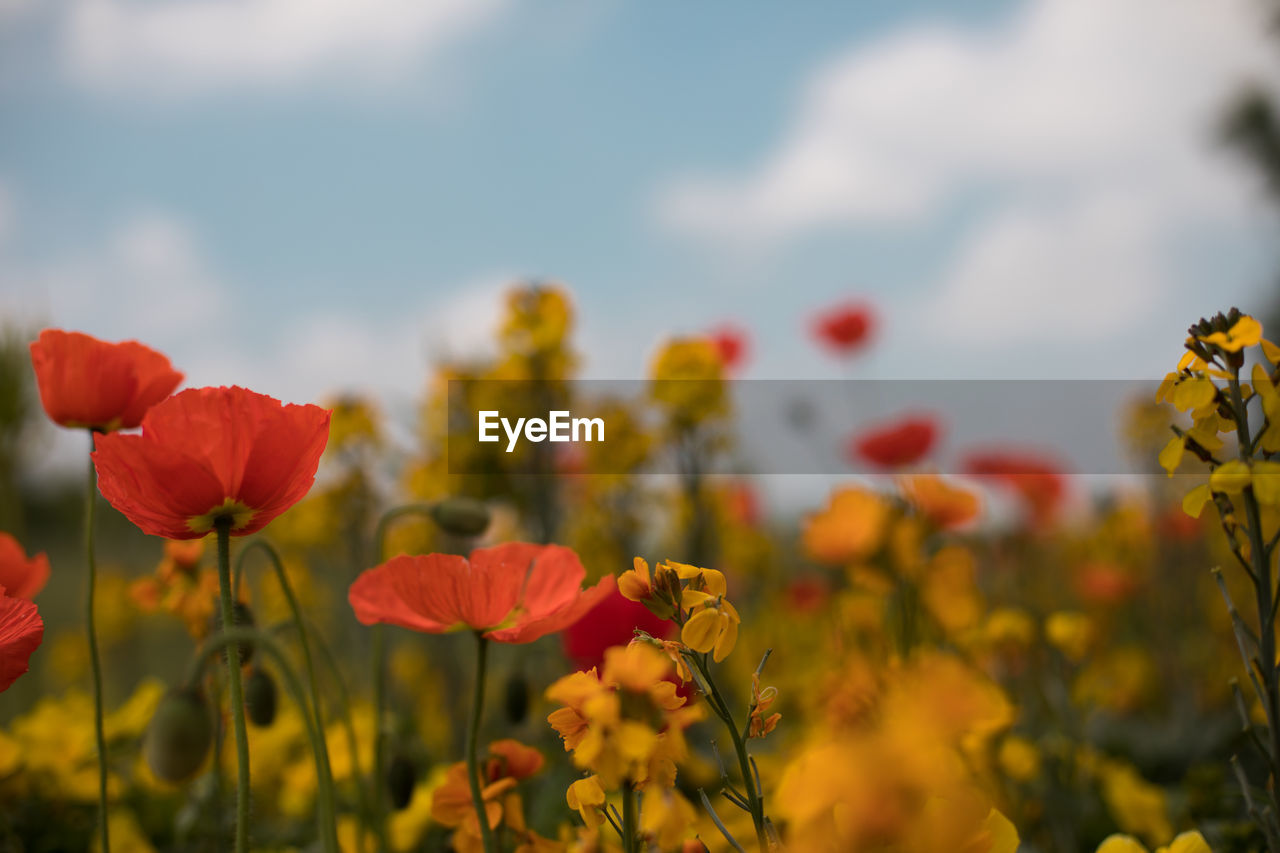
(307, 195)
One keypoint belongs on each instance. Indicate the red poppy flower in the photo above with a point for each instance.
(93, 384)
(612, 622)
(208, 453)
(845, 329)
(21, 630)
(731, 343)
(514, 593)
(896, 445)
(1038, 481)
(22, 577)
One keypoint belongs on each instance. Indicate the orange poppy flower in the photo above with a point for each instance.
(208, 453)
(21, 630)
(21, 577)
(845, 328)
(93, 384)
(896, 445)
(514, 593)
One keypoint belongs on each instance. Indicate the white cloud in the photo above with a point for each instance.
(207, 45)
(148, 279)
(1066, 97)
(1028, 274)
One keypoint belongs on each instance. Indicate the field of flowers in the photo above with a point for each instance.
(326, 642)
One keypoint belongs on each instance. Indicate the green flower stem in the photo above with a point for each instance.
(95, 662)
(322, 757)
(473, 736)
(223, 527)
(379, 663)
(229, 639)
(1260, 558)
(353, 745)
(629, 817)
(755, 799)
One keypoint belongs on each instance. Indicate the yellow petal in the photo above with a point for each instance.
(1230, 478)
(728, 637)
(1004, 835)
(1194, 501)
(1190, 842)
(1266, 482)
(1194, 393)
(1271, 351)
(700, 632)
(1121, 844)
(1171, 457)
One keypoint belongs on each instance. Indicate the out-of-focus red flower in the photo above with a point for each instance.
(743, 503)
(895, 445)
(208, 453)
(845, 329)
(1104, 582)
(22, 577)
(93, 384)
(731, 343)
(807, 595)
(21, 630)
(612, 622)
(1176, 525)
(513, 593)
(1038, 480)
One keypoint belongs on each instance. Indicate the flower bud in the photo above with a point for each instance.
(241, 616)
(179, 735)
(516, 698)
(401, 777)
(461, 516)
(260, 697)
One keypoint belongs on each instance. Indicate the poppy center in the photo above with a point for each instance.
(239, 514)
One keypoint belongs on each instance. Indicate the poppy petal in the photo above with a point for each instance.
(527, 630)
(21, 630)
(375, 599)
(553, 582)
(499, 576)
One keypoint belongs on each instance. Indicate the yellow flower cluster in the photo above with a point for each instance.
(693, 597)
(626, 725)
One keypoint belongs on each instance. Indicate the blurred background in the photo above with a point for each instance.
(328, 200)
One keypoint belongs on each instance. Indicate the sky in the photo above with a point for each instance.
(311, 196)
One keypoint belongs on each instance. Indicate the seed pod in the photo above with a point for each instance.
(179, 735)
(241, 616)
(516, 698)
(461, 516)
(402, 775)
(260, 697)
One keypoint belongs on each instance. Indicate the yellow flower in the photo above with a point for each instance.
(713, 628)
(586, 797)
(1187, 842)
(1137, 806)
(851, 528)
(1070, 632)
(1246, 332)
(1019, 758)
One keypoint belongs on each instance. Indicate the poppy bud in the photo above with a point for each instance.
(516, 700)
(179, 735)
(401, 777)
(260, 697)
(461, 516)
(241, 616)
